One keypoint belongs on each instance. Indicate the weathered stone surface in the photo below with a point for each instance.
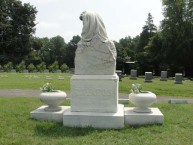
(148, 77)
(42, 115)
(178, 78)
(133, 118)
(94, 93)
(163, 76)
(96, 54)
(94, 119)
(133, 74)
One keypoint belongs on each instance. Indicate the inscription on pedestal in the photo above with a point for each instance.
(93, 94)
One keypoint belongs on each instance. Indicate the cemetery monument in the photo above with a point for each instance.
(94, 86)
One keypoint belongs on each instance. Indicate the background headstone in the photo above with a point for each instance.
(163, 76)
(178, 78)
(148, 76)
(133, 74)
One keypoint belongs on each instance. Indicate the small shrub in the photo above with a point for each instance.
(64, 68)
(8, 67)
(54, 66)
(20, 67)
(31, 67)
(41, 67)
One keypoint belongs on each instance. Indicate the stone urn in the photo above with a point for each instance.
(53, 99)
(142, 100)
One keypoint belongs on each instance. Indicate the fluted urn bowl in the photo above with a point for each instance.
(53, 99)
(142, 100)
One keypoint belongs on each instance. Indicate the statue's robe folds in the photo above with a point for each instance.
(95, 54)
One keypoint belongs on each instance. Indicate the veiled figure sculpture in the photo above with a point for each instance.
(95, 54)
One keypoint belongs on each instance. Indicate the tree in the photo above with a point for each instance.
(129, 46)
(16, 27)
(58, 49)
(121, 56)
(70, 52)
(156, 53)
(148, 31)
(142, 58)
(177, 30)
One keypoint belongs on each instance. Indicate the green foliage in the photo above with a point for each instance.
(64, 68)
(54, 66)
(1, 68)
(31, 67)
(177, 30)
(41, 67)
(142, 57)
(70, 52)
(156, 53)
(47, 88)
(20, 67)
(7, 67)
(57, 49)
(17, 128)
(17, 22)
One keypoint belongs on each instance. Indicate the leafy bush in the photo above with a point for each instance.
(31, 67)
(20, 67)
(41, 67)
(1, 68)
(8, 67)
(54, 66)
(64, 67)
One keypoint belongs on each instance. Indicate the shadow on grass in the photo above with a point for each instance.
(58, 130)
(51, 129)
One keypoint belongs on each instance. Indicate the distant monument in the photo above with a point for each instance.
(96, 54)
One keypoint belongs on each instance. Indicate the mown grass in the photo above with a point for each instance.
(160, 88)
(16, 128)
(30, 80)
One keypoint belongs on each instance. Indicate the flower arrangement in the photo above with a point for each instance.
(47, 88)
(136, 88)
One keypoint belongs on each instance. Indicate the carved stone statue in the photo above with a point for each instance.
(96, 54)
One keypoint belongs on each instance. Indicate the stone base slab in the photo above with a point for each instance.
(94, 93)
(133, 118)
(42, 115)
(95, 120)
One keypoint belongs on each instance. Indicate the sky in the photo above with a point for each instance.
(122, 18)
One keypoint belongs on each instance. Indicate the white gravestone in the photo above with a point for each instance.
(94, 87)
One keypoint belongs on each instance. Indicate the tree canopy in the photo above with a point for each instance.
(16, 28)
(168, 48)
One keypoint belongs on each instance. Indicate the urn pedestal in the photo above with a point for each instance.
(142, 100)
(53, 99)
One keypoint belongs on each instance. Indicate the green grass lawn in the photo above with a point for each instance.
(160, 88)
(16, 128)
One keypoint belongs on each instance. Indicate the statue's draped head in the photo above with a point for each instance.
(92, 26)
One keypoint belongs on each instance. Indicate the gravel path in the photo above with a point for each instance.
(35, 93)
